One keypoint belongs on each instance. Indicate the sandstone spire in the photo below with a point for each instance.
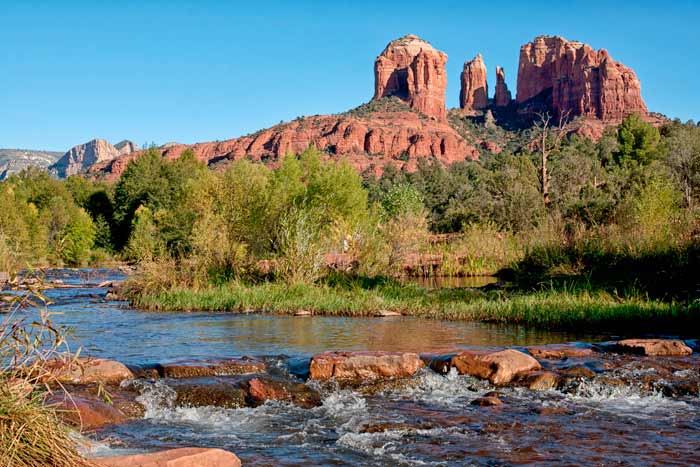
(474, 92)
(411, 69)
(502, 97)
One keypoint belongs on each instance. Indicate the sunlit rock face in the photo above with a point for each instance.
(474, 88)
(571, 78)
(411, 69)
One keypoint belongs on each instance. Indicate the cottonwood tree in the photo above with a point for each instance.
(548, 135)
(683, 145)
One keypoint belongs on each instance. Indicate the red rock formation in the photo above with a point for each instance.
(572, 78)
(414, 71)
(502, 97)
(474, 91)
(368, 142)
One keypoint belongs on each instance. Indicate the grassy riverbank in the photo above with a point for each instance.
(564, 307)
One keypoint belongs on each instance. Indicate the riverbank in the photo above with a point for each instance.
(562, 307)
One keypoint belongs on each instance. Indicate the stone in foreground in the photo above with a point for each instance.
(182, 457)
(364, 365)
(90, 370)
(498, 367)
(85, 413)
(654, 347)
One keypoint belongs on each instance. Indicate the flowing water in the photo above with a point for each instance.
(428, 421)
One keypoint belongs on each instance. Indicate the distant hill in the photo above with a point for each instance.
(14, 160)
(80, 158)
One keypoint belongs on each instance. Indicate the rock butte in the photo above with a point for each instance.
(573, 79)
(554, 75)
(411, 69)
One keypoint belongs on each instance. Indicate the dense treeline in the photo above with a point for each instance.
(635, 190)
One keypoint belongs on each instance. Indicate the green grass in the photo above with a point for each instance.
(566, 307)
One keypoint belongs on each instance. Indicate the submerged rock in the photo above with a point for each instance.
(364, 365)
(266, 388)
(653, 347)
(205, 392)
(487, 401)
(181, 457)
(498, 367)
(389, 426)
(539, 380)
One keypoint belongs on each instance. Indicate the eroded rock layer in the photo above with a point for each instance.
(369, 142)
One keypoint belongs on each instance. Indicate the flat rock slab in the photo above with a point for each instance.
(203, 368)
(182, 457)
(559, 351)
(653, 347)
(498, 367)
(89, 370)
(364, 365)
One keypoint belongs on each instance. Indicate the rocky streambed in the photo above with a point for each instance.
(286, 391)
(626, 402)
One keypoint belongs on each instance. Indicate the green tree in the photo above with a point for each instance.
(638, 141)
(683, 159)
(77, 239)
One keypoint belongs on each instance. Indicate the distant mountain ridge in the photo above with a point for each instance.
(16, 160)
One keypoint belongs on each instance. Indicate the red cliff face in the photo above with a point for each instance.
(574, 79)
(502, 97)
(474, 91)
(368, 142)
(414, 71)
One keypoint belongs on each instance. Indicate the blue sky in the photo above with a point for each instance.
(159, 71)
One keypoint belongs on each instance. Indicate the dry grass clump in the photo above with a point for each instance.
(31, 434)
